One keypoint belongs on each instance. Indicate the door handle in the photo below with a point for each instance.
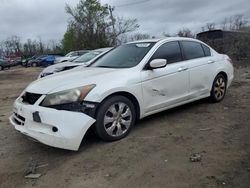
(182, 69)
(210, 61)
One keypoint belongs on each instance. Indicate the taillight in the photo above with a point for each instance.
(231, 61)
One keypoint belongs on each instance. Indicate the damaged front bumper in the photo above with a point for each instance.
(57, 128)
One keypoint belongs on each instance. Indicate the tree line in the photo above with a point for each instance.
(93, 25)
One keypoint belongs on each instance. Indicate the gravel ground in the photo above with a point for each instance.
(155, 154)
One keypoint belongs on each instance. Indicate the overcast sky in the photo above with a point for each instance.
(47, 18)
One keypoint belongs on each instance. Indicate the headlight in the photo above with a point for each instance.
(68, 96)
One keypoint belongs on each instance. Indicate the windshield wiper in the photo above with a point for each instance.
(102, 66)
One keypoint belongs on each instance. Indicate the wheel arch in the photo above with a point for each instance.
(131, 97)
(224, 74)
(218, 72)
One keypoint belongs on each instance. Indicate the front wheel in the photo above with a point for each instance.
(219, 88)
(115, 118)
(34, 64)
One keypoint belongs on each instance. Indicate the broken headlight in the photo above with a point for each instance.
(68, 96)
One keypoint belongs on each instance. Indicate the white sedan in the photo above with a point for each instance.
(83, 60)
(70, 56)
(130, 82)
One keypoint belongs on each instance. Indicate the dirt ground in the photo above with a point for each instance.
(155, 154)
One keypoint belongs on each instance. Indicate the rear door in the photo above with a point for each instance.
(166, 86)
(200, 63)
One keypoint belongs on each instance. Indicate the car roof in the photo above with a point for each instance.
(165, 39)
(102, 49)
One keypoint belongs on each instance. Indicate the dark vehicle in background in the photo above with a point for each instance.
(17, 61)
(26, 60)
(234, 43)
(47, 60)
(43, 60)
(4, 64)
(34, 62)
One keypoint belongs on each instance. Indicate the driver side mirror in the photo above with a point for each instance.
(157, 63)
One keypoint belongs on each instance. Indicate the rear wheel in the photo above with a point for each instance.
(1, 68)
(219, 88)
(115, 118)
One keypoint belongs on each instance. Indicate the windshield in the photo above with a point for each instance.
(70, 54)
(124, 56)
(87, 57)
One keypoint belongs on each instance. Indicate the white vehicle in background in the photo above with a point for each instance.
(83, 60)
(130, 82)
(70, 56)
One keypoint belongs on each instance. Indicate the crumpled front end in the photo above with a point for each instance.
(58, 128)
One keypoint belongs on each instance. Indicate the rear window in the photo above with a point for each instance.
(192, 50)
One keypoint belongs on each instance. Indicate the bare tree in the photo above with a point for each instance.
(210, 26)
(239, 22)
(185, 32)
(166, 34)
(124, 26)
(12, 45)
(139, 36)
(1, 49)
(236, 22)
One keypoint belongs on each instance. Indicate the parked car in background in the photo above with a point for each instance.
(130, 82)
(14, 59)
(83, 60)
(47, 60)
(43, 60)
(26, 60)
(35, 62)
(71, 56)
(4, 64)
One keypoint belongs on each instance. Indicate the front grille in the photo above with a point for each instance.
(19, 119)
(30, 98)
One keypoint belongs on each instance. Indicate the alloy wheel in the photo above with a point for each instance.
(117, 119)
(219, 88)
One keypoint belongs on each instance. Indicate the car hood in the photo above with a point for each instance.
(72, 79)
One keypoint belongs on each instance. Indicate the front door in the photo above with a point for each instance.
(166, 86)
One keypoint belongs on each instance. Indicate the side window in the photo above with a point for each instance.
(170, 51)
(192, 50)
(206, 50)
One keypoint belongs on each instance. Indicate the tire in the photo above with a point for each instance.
(1, 68)
(219, 88)
(111, 123)
(34, 64)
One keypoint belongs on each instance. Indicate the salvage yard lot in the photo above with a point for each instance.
(155, 154)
